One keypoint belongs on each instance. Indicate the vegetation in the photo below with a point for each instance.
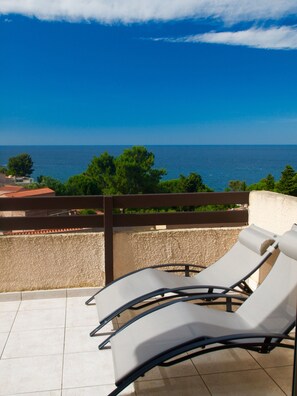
(133, 172)
(21, 165)
(287, 184)
(184, 184)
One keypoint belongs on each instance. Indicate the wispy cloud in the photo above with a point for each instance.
(127, 11)
(273, 38)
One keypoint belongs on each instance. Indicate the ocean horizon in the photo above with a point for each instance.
(217, 164)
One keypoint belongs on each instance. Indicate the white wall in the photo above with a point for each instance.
(273, 211)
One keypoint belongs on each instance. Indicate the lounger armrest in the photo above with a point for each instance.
(229, 300)
(210, 290)
(187, 269)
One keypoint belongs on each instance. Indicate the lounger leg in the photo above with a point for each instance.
(93, 332)
(92, 298)
(89, 300)
(118, 390)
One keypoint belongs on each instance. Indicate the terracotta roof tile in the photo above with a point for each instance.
(29, 193)
(7, 189)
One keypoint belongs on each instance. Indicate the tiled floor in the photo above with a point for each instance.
(45, 350)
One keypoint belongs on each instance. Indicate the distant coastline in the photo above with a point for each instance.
(217, 164)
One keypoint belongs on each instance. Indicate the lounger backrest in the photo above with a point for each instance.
(248, 253)
(273, 304)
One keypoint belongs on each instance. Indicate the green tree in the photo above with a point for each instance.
(21, 165)
(135, 173)
(288, 181)
(266, 184)
(170, 186)
(193, 183)
(237, 185)
(82, 185)
(102, 171)
(184, 184)
(50, 182)
(3, 170)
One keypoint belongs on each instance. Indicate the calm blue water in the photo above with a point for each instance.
(216, 164)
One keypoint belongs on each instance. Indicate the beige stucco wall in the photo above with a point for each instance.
(273, 211)
(76, 260)
(30, 262)
(195, 246)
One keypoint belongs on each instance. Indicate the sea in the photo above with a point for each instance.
(216, 164)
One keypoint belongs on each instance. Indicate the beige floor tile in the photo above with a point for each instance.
(188, 386)
(103, 390)
(39, 319)
(3, 339)
(34, 343)
(34, 374)
(77, 339)
(88, 369)
(49, 303)
(242, 383)
(79, 302)
(283, 376)
(276, 358)
(81, 315)
(183, 369)
(225, 360)
(9, 306)
(6, 321)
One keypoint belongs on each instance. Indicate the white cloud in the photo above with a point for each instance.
(273, 38)
(126, 11)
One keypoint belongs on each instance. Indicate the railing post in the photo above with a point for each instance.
(108, 238)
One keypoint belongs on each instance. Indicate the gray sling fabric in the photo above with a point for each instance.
(271, 308)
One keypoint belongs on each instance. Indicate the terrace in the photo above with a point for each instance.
(44, 344)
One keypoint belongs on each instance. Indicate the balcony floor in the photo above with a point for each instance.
(45, 350)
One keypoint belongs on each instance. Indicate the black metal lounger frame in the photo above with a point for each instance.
(164, 359)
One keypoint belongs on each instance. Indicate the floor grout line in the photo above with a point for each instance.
(9, 332)
(64, 342)
(275, 380)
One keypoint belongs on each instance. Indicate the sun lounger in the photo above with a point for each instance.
(179, 330)
(252, 249)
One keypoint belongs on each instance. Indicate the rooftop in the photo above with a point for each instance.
(18, 192)
(45, 350)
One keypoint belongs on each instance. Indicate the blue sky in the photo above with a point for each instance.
(148, 72)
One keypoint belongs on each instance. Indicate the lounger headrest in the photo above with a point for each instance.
(256, 239)
(288, 244)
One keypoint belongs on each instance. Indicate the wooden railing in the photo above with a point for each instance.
(111, 219)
